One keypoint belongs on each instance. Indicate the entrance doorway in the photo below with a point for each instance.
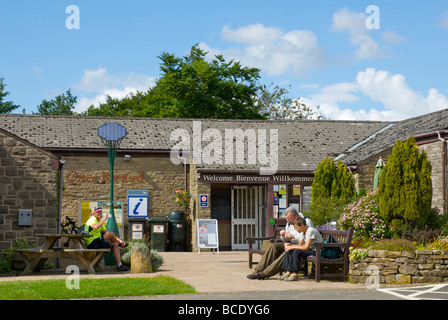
(248, 214)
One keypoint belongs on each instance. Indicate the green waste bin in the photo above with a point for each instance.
(176, 230)
(158, 233)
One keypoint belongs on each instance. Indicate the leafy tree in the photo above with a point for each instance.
(192, 87)
(130, 106)
(343, 186)
(61, 105)
(333, 187)
(5, 106)
(323, 179)
(276, 102)
(405, 187)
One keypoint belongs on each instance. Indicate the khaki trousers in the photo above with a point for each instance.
(271, 261)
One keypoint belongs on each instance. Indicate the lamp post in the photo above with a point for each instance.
(111, 135)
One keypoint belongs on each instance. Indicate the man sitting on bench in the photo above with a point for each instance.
(271, 262)
(102, 238)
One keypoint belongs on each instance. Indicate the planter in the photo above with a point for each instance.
(399, 267)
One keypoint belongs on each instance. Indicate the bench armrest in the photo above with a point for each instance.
(251, 240)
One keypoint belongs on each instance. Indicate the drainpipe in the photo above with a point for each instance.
(61, 182)
(443, 170)
(184, 160)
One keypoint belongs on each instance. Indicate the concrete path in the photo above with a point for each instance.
(208, 272)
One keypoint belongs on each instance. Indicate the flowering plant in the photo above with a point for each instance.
(363, 215)
(181, 198)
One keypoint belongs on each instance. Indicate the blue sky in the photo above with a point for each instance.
(323, 49)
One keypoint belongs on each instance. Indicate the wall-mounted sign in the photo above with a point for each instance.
(257, 179)
(138, 204)
(74, 176)
(203, 200)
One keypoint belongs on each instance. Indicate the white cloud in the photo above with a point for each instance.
(38, 72)
(272, 50)
(101, 84)
(255, 34)
(400, 101)
(354, 23)
(443, 20)
(392, 37)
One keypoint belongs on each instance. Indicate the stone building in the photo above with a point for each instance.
(28, 180)
(249, 170)
(430, 131)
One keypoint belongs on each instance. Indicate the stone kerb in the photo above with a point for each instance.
(399, 267)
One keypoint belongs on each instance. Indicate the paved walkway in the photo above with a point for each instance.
(209, 272)
(223, 277)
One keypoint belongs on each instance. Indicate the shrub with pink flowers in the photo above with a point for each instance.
(363, 215)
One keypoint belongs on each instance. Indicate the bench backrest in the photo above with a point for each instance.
(280, 224)
(344, 237)
(341, 236)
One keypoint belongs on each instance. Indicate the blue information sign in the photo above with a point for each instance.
(138, 204)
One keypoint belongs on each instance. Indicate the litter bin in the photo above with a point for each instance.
(158, 233)
(176, 230)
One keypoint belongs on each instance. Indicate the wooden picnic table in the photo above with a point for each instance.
(35, 257)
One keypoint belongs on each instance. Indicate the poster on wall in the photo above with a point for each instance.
(207, 231)
(85, 207)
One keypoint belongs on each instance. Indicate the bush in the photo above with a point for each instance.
(156, 258)
(393, 245)
(333, 187)
(324, 211)
(363, 215)
(421, 236)
(5, 266)
(405, 187)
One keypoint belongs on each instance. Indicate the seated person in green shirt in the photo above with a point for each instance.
(102, 238)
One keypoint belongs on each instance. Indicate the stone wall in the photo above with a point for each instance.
(434, 153)
(195, 211)
(86, 178)
(401, 267)
(27, 181)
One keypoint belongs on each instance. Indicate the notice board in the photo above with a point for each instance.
(207, 231)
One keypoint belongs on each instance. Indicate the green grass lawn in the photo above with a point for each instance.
(92, 288)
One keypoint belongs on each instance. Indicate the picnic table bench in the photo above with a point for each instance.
(35, 258)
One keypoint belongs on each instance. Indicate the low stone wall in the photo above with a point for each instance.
(400, 267)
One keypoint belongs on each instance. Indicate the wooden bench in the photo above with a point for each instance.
(344, 240)
(280, 224)
(35, 258)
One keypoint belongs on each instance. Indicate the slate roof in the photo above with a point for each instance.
(302, 144)
(402, 130)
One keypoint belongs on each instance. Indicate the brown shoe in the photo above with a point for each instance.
(261, 276)
(252, 275)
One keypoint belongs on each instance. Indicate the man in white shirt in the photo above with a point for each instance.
(271, 262)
